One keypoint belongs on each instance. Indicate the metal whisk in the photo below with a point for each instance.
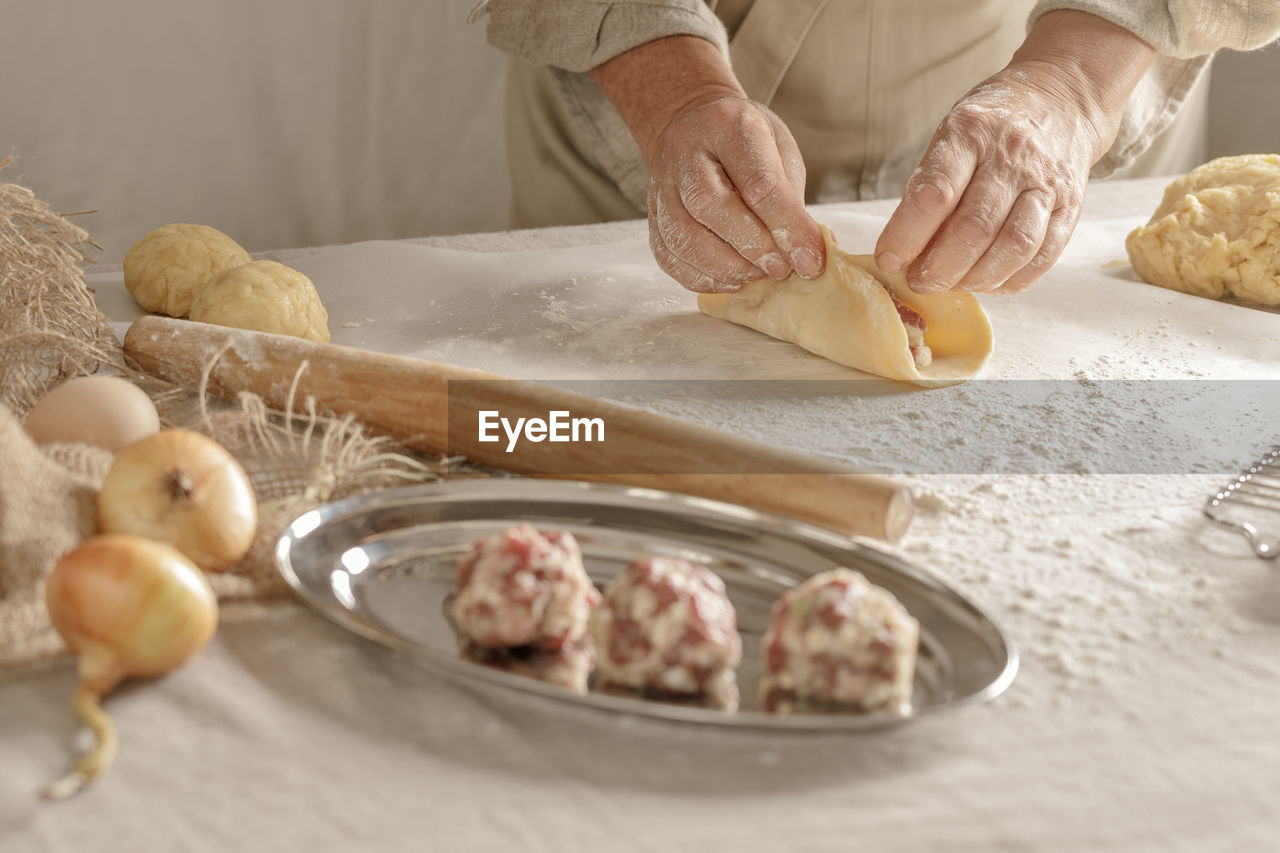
(1251, 500)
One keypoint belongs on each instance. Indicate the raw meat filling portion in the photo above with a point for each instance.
(524, 587)
(840, 640)
(915, 327)
(666, 625)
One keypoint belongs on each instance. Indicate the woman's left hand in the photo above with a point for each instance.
(999, 190)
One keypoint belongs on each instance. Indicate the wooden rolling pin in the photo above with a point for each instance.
(436, 408)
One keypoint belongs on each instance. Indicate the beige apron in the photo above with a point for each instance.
(862, 85)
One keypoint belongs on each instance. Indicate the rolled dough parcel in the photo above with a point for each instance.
(848, 315)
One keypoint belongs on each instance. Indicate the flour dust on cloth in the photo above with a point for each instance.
(860, 316)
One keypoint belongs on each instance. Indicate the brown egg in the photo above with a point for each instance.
(105, 411)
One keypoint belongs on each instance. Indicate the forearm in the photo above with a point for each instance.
(1097, 63)
(577, 35)
(650, 84)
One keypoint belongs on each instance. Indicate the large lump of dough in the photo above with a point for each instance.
(1217, 232)
(263, 296)
(165, 268)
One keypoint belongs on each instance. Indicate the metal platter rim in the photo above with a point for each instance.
(549, 490)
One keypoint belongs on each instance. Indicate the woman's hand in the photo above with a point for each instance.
(726, 191)
(726, 198)
(999, 190)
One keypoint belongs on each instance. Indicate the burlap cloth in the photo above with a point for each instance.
(51, 331)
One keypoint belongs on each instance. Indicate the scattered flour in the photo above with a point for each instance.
(1080, 570)
(1070, 511)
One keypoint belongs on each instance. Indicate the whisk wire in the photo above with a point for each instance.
(1259, 489)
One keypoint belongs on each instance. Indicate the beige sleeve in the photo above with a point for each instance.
(1186, 33)
(578, 35)
(1183, 29)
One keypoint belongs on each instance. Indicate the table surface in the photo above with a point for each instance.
(1143, 718)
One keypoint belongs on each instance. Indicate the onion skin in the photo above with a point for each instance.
(183, 488)
(127, 607)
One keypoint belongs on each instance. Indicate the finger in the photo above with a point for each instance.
(794, 168)
(788, 153)
(966, 234)
(689, 276)
(693, 243)
(707, 194)
(932, 193)
(1017, 243)
(1062, 223)
(753, 163)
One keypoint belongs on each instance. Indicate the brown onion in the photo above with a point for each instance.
(180, 487)
(127, 607)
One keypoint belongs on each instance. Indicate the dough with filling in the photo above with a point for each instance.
(165, 268)
(851, 315)
(266, 297)
(1216, 233)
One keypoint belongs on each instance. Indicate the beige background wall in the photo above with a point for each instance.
(310, 122)
(1245, 99)
(282, 122)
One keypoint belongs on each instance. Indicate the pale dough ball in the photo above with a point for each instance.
(167, 266)
(266, 297)
(1217, 232)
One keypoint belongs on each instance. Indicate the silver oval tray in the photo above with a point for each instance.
(383, 566)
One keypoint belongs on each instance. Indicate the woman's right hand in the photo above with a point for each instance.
(726, 198)
(726, 181)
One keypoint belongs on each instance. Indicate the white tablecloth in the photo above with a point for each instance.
(1144, 716)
